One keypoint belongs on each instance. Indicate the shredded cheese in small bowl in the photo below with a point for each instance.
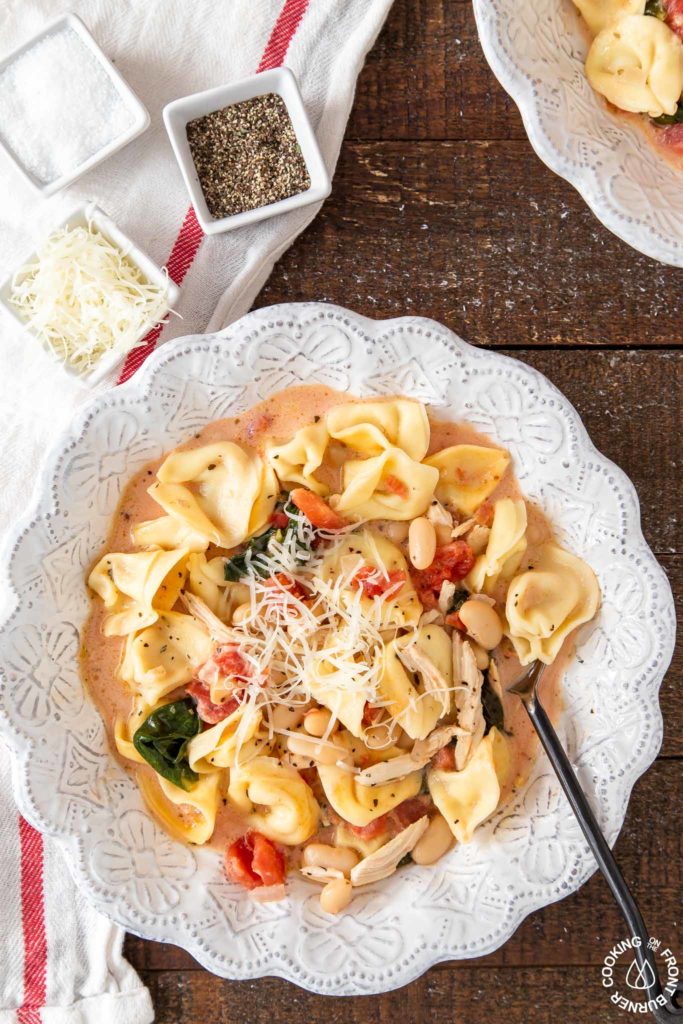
(88, 295)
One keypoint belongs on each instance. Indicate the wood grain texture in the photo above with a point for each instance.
(440, 208)
(482, 237)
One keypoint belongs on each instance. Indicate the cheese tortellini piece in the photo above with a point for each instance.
(165, 655)
(206, 579)
(297, 461)
(387, 486)
(332, 681)
(505, 548)
(410, 702)
(136, 587)
(548, 601)
(598, 14)
(468, 797)
(372, 427)
(234, 740)
(370, 548)
(168, 532)
(219, 490)
(358, 804)
(189, 815)
(468, 474)
(637, 64)
(287, 810)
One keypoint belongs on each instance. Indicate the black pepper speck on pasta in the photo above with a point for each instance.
(247, 156)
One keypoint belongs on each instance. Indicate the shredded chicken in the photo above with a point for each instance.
(220, 633)
(438, 515)
(417, 758)
(383, 862)
(462, 528)
(435, 683)
(467, 700)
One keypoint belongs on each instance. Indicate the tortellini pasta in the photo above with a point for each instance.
(288, 812)
(124, 730)
(206, 579)
(548, 601)
(387, 486)
(168, 532)
(598, 14)
(468, 474)
(358, 804)
(189, 815)
(165, 655)
(369, 548)
(331, 681)
(411, 703)
(136, 587)
(297, 461)
(505, 547)
(372, 427)
(235, 740)
(220, 491)
(468, 797)
(637, 64)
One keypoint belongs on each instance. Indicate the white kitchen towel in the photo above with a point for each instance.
(60, 962)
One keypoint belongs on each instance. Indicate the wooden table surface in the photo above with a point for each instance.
(441, 208)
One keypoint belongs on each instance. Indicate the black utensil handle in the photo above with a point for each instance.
(671, 1011)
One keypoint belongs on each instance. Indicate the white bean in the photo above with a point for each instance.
(323, 753)
(340, 858)
(317, 721)
(421, 542)
(395, 531)
(241, 612)
(284, 717)
(482, 623)
(336, 896)
(435, 841)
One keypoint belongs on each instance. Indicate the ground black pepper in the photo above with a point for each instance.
(247, 156)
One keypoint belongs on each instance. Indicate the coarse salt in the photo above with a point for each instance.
(59, 106)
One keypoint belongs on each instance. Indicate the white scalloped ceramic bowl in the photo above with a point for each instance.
(536, 50)
(531, 852)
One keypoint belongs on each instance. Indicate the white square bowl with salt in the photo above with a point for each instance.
(64, 107)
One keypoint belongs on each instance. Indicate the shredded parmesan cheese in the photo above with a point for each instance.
(85, 298)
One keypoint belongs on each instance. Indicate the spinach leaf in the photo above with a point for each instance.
(162, 740)
(458, 600)
(666, 119)
(247, 562)
(492, 707)
(656, 9)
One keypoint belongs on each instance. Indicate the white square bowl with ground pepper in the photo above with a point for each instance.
(247, 151)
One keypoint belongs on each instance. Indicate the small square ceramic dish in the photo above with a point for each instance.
(151, 272)
(121, 115)
(280, 81)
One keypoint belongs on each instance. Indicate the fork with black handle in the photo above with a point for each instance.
(665, 1006)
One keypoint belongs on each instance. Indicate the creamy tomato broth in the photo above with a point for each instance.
(277, 419)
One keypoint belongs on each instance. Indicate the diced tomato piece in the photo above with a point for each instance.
(453, 619)
(374, 583)
(371, 714)
(252, 860)
(268, 860)
(396, 486)
(281, 581)
(206, 709)
(452, 562)
(279, 519)
(229, 660)
(674, 16)
(671, 136)
(238, 863)
(484, 514)
(411, 810)
(444, 759)
(371, 831)
(317, 511)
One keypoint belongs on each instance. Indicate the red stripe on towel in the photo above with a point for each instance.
(33, 924)
(190, 237)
